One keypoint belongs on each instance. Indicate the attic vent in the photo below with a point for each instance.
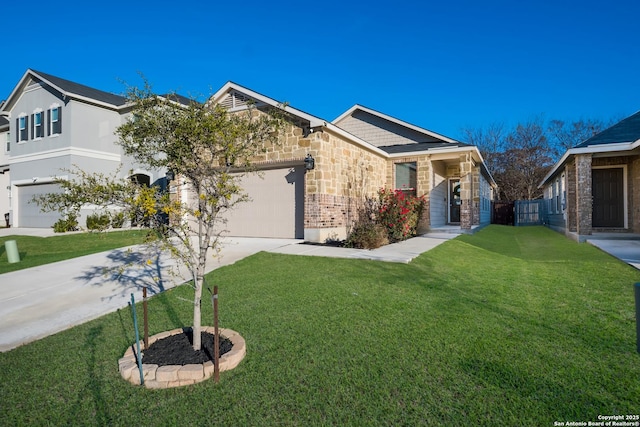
(235, 100)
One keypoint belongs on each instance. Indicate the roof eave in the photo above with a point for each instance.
(313, 120)
(598, 148)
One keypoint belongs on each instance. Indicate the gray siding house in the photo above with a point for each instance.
(54, 125)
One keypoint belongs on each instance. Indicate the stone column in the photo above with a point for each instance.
(584, 195)
(466, 187)
(424, 176)
(476, 195)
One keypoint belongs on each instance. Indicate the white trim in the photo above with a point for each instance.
(69, 151)
(591, 149)
(37, 180)
(449, 201)
(229, 86)
(624, 191)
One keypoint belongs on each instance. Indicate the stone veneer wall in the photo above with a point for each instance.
(584, 205)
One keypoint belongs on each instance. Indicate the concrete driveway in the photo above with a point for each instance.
(40, 301)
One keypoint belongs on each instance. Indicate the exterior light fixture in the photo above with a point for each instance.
(309, 162)
(171, 175)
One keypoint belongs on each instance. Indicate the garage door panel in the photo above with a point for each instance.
(275, 208)
(29, 214)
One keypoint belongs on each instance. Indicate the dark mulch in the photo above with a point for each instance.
(178, 349)
(330, 243)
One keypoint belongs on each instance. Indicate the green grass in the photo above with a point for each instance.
(510, 326)
(35, 251)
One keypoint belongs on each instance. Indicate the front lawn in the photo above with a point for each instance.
(510, 326)
(36, 251)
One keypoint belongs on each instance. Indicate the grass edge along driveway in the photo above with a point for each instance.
(510, 326)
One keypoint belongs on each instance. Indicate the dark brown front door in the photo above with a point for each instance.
(608, 197)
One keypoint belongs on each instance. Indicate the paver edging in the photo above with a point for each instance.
(177, 375)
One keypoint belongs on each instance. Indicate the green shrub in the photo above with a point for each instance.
(68, 223)
(367, 235)
(117, 220)
(98, 222)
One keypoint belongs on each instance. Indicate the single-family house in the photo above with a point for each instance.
(595, 186)
(54, 126)
(4, 169)
(311, 182)
(354, 156)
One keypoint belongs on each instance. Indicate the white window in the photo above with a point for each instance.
(23, 131)
(38, 125)
(55, 120)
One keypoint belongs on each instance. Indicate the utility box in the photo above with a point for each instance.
(12, 251)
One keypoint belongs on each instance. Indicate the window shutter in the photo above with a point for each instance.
(59, 119)
(17, 130)
(33, 123)
(26, 128)
(48, 122)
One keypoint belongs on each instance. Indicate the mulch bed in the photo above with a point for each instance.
(178, 349)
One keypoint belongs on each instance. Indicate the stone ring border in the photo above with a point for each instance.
(168, 376)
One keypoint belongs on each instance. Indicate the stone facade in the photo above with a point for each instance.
(584, 203)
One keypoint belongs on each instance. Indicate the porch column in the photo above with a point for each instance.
(476, 194)
(466, 192)
(584, 195)
(424, 175)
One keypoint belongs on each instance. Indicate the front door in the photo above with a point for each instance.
(454, 201)
(608, 197)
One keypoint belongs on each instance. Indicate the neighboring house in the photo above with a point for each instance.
(595, 186)
(5, 200)
(55, 123)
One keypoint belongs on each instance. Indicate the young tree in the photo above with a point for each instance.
(207, 149)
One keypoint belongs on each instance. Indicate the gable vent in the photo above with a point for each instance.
(235, 100)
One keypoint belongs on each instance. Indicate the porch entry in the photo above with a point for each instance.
(454, 201)
(608, 197)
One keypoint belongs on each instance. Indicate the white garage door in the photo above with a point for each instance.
(276, 208)
(29, 214)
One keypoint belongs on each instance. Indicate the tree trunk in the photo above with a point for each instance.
(197, 312)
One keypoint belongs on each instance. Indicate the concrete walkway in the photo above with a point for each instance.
(41, 301)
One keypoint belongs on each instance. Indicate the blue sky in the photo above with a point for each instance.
(440, 65)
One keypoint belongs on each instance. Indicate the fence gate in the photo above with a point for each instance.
(502, 213)
(530, 212)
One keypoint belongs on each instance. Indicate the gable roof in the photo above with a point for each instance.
(231, 88)
(77, 90)
(428, 134)
(621, 138)
(66, 88)
(626, 130)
